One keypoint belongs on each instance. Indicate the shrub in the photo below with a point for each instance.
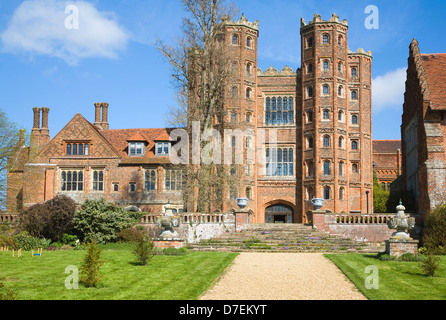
(435, 230)
(408, 257)
(34, 220)
(175, 252)
(27, 242)
(48, 220)
(144, 250)
(61, 212)
(90, 275)
(7, 240)
(69, 239)
(99, 221)
(430, 264)
(130, 235)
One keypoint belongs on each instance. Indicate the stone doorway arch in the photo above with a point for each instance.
(279, 212)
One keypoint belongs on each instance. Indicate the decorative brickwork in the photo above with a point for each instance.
(423, 129)
(335, 116)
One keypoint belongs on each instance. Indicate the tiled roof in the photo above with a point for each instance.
(386, 146)
(434, 67)
(119, 139)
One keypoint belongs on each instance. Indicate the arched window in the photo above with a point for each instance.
(249, 42)
(325, 65)
(249, 68)
(353, 72)
(341, 168)
(341, 193)
(310, 42)
(248, 117)
(340, 91)
(355, 168)
(310, 68)
(309, 168)
(354, 95)
(339, 40)
(309, 92)
(340, 115)
(354, 119)
(309, 193)
(326, 168)
(310, 116)
(327, 193)
(310, 143)
(354, 145)
(340, 65)
(325, 39)
(325, 90)
(248, 193)
(234, 39)
(248, 93)
(341, 142)
(234, 92)
(326, 141)
(326, 114)
(233, 117)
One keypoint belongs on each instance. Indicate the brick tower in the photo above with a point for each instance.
(240, 103)
(336, 128)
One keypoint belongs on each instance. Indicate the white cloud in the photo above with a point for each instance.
(39, 27)
(388, 90)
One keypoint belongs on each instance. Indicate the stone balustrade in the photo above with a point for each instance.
(8, 217)
(362, 219)
(189, 218)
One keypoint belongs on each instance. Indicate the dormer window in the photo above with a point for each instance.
(162, 148)
(136, 149)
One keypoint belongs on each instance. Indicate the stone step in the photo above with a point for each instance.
(284, 238)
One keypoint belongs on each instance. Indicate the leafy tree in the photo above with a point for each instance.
(435, 230)
(380, 196)
(99, 221)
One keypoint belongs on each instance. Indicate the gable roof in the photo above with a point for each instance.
(73, 129)
(120, 138)
(434, 68)
(386, 146)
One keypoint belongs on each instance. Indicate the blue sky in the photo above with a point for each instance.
(111, 57)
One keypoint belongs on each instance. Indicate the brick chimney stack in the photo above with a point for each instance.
(40, 135)
(105, 125)
(98, 122)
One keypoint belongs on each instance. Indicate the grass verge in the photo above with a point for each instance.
(391, 280)
(164, 278)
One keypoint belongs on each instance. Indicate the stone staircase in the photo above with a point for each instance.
(284, 238)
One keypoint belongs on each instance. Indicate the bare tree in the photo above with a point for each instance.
(12, 139)
(200, 64)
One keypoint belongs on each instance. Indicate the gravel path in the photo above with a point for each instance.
(282, 276)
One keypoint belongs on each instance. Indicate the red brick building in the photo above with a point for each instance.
(423, 128)
(387, 161)
(321, 114)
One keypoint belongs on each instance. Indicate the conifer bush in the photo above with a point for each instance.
(92, 262)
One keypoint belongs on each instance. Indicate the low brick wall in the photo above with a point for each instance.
(358, 227)
(398, 248)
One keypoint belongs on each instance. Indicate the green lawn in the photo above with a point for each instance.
(397, 280)
(164, 278)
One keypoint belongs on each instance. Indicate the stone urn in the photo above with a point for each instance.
(317, 203)
(168, 221)
(242, 203)
(401, 223)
